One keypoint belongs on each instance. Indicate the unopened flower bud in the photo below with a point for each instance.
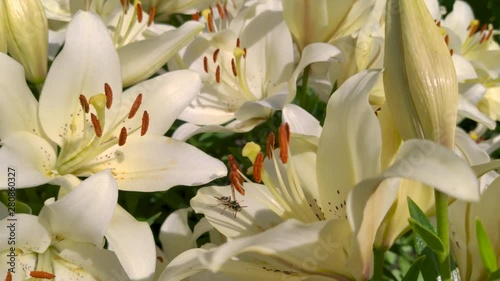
(27, 36)
(420, 80)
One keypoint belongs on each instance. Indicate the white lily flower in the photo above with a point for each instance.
(312, 185)
(52, 245)
(76, 129)
(247, 72)
(476, 56)
(143, 46)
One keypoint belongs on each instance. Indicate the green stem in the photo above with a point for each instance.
(378, 264)
(444, 234)
(303, 89)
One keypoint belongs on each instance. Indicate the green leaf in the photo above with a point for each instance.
(414, 270)
(494, 275)
(429, 267)
(417, 214)
(153, 218)
(429, 236)
(485, 248)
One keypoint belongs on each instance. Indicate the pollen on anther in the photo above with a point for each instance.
(233, 66)
(237, 181)
(238, 42)
(451, 52)
(42, 275)
(109, 95)
(135, 106)
(195, 16)
(97, 125)
(9, 276)
(145, 123)
(138, 8)
(217, 74)
(270, 145)
(447, 39)
(123, 137)
(284, 138)
(152, 14)
(216, 54)
(220, 10)
(205, 64)
(257, 167)
(210, 23)
(84, 103)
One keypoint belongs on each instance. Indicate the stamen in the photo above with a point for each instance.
(483, 28)
(135, 106)
(138, 8)
(217, 74)
(284, 136)
(84, 103)
(42, 275)
(257, 167)
(474, 24)
(438, 23)
(160, 259)
(270, 145)
(109, 95)
(237, 182)
(9, 276)
(97, 125)
(145, 123)
(205, 64)
(216, 54)
(232, 163)
(489, 34)
(123, 136)
(152, 14)
(244, 52)
(195, 16)
(451, 52)
(447, 39)
(210, 23)
(237, 42)
(221, 12)
(233, 65)
(483, 38)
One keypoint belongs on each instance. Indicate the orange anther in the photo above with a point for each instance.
(238, 42)
(145, 123)
(138, 8)
(216, 54)
(196, 17)
(97, 125)
(270, 145)
(257, 167)
(447, 39)
(42, 275)
(123, 137)
(9, 276)
(109, 95)
(233, 66)
(84, 103)
(284, 137)
(135, 106)
(152, 14)
(217, 74)
(237, 181)
(210, 23)
(205, 64)
(451, 52)
(220, 10)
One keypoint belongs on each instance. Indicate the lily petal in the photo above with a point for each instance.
(80, 68)
(316, 52)
(315, 248)
(141, 59)
(254, 218)
(30, 155)
(133, 243)
(301, 121)
(32, 236)
(174, 90)
(16, 97)
(91, 204)
(175, 234)
(154, 163)
(350, 144)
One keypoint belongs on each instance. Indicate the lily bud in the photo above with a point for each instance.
(27, 36)
(420, 80)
